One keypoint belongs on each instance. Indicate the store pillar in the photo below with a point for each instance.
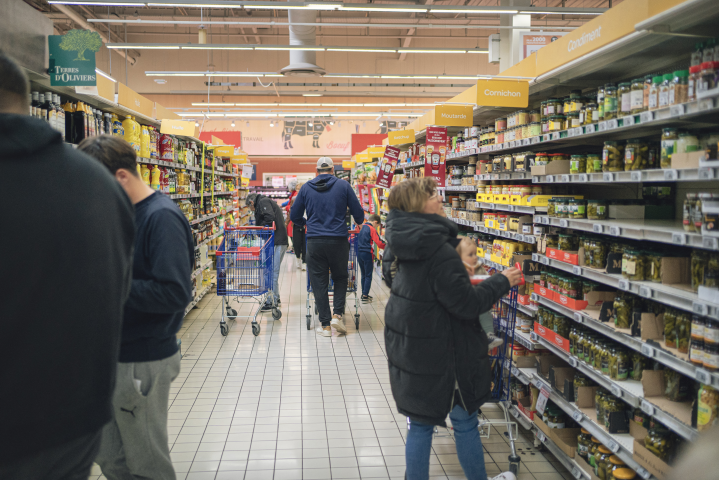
(510, 41)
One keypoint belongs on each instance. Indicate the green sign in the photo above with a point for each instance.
(72, 58)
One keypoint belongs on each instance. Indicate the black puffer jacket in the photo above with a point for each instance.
(267, 212)
(432, 333)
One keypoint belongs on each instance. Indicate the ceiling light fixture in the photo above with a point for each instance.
(559, 12)
(470, 12)
(272, 124)
(233, 123)
(197, 124)
(311, 94)
(350, 49)
(100, 4)
(97, 70)
(219, 46)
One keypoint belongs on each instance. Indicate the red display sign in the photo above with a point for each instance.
(387, 166)
(435, 155)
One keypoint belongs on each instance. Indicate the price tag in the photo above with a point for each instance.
(647, 407)
(643, 473)
(679, 239)
(616, 231)
(533, 336)
(525, 141)
(506, 176)
(578, 317)
(597, 228)
(646, 117)
(577, 416)
(602, 126)
(645, 292)
(529, 239)
(541, 437)
(520, 237)
(515, 371)
(576, 270)
(699, 308)
(555, 136)
(535, 257)
(535, 140)
(705, 173)
(544, 260)
(591, 128)
(676, 110)
(671, 174)
(583, 177)
(564, 178)
(607, 177)
(616, 391)
(578, 131)
(613, 446)
(576, 473)
(549, 179)
(703, 376)
(647, 350)
(706, 104)
(542, 400)
(626, 121)
(563, 223)
(573, 362)
(636, 176)
(709, 242)
(613, 123)
(570, 132)
(623, 284)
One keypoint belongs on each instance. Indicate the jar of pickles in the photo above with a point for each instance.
(637, 96)
(584, 441)
(623, 311)
(600, 103)
(599, 398)
(594, 163)
(634, 263)
(619, 365)
(597, 209)
(612, 157)
(561, 210)
(636, 155)
(578, 164)
(578, 208)
(612, 405)
(668, 145)
(624, 97)
(552, 241)
(670, 334)
(610, 101)
(659, 441)
(541, 159)
(653, 267)
(596, 257)
(601, 462)
(573, 120)
(591, 114)
(535, 129)
(534, 116)
(552, 207)
(557, 123)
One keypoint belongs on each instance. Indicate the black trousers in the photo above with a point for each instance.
(298, 242)
(69, 461)
(328, 256)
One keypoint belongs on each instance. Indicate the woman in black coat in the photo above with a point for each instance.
(437, 350)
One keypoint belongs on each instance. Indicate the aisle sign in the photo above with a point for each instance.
(503, 93)
(134, 101)
(400, 137)
(454, 115)
(375, 152)
(72, 58)
(348, 164)
(362, 158)
(247, 171)
(177, 127)
(225, 151)
(387, 166)
(238, 158)
(436, 152)
(533, 41)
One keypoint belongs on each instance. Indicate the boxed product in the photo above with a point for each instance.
(556, 167)
(564, 438)
(524, 405)
(658, 390)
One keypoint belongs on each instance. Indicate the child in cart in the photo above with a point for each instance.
(468, 253)
(367, 236)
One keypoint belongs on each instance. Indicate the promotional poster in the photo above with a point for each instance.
(435, 154)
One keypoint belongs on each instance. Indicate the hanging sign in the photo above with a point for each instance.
(454, 115)
(225, 151)
(72, 58)
(238, 158)
(387, 166)
(247, 171)
(375, 152)
(348, 164)
(401, 137)
(435, 154)
(362, 158)
(178, 127)
(503, 93)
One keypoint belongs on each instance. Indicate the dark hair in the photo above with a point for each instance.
(374, 218)
(14, 86)
(113, 152)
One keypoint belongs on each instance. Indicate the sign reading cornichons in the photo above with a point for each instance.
(400, 137)
(72, 58)
(453, 115)
(503, 93)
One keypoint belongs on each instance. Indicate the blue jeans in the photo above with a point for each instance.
(469, 446)
(366, 268)
(277, 262)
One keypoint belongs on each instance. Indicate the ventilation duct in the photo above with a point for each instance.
(302, 62)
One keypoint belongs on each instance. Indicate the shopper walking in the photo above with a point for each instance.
(267, 214)
(292, 188)
(67, 258)
(298, 237)
(436, 349)
(134, 444)
(325, 199)
(367, 236)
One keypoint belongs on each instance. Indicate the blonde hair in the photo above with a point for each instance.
(411, 195)
(465, 242)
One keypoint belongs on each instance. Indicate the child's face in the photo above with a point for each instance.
(375, 224)
(469, 258)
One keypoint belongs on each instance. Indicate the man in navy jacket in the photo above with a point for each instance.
(326, 199)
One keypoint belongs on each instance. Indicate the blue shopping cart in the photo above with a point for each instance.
(351, 281)
(244, 270)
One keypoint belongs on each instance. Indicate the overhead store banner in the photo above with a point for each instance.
(129, 98)
(533, 41)
(400, 137)
(106, 88)
(362, 158)
(503, 93)
(178, 127)
(387, 166)
(454, 115)
(348, 164)
(436, 153)
(72, 58)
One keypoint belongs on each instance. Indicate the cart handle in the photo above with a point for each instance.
(477, 279)
(252, 227)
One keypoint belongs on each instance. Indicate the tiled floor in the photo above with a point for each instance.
(290, 405)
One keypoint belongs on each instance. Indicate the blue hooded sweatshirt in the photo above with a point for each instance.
(325, 198)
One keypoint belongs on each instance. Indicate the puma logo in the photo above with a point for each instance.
(131, 412)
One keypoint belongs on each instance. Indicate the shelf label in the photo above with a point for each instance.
(676, 110)
(542, 400)
(671, 174)
(615, 231)
(636, 176)
(570, 132)
(573, 362)
(613, 123)
(705, 173)
(535, 140)
(700, 308)
(577, 416)
(576, 473)
(563, 223)
(520, 237)
(703, 376)
(647, 350)
(549, 179)
(583, 177)
(608, 177)
(623, 284)
(564, 178)
(541, 437)
(616, 391)
(709, 242)
(591, 128)
(626, 121)
(555, 136)
(613, 446)
(602, 126)
(645, 292)
(525, 142)
(646, 117)
(535, 257)
(679, 239)
(506, 176)
(544, 260)
(576, 270)
(706, 104)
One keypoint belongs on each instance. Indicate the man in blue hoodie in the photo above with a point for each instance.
(325, 199)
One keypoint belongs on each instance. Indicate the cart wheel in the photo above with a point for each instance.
(231, 313)
(255, 329)
(309, 322)
(514, 464)
(223, 329)
(276, 313)
(357, 321)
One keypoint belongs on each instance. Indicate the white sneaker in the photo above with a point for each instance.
(338, 324)
(504, 476)
(494, 342)
(324, 331)
(303, 267)
(298, 262)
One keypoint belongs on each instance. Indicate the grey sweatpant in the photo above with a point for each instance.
(134, 444)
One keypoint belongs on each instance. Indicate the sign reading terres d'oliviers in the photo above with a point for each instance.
(72, 58)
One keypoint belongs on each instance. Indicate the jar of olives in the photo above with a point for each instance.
(597, 209)
(683, 331)
(624, 94)
(584, 443)
(614, 463)
(637, 368)
(556, 419)
(597, 254)
(599, 399)
(622, 311)
(610, 101)
(591, 114)
(612, 157)
(670, 334)
(711, 272)
(594, 163)
(668, 145)
(578, 164)
(552, 241)
(634, 265)
(620, 365)
(580, 381)
(699, 261)
(612, 405)
(552, 207)
(567, 242)
(573, 335)
(561, 209)
(605, 351)
(578, 208)
(574, 288)
(659, 441)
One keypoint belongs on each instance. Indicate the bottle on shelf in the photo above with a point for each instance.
(35, 105)
(69, 110)
(51, 112)
(60, 117)
(155, 180)
(145, 169)
(107, 120)
(118, 129)
(132, 133)
(80, 123)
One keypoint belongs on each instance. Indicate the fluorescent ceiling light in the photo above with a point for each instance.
(311, 94)
(464, 10)
(209, 46)
(301, 104)
(195, 5)
(291, 47)
(415, 50)
(455, 77)
(478, 50)
(274, 75)
(532, 12)
(242, 114)
(350, 49)
(254, 104)
(102, 4)
(175, 74)
(343, 105)
(212, 104)
(274, 7)
(97, 70)
(140, 47)
(354, 115)
(233, 74)
(213, 114)
(324, 6)
(385, 104)
(383, 9)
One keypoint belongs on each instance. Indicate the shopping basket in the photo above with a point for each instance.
(351, 281)
(244, 270)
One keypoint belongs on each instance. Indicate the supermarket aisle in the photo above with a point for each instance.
(290, 405)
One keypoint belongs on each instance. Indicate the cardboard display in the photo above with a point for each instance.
(552, 337)
(585, 396)
(558, 377)
(653, 384)
(581, 463)
(387, 167)
(687, 160)
(545, 362)
(556, 167)
(571, 257)
(649, 461)
(524, 405)
(564, 438)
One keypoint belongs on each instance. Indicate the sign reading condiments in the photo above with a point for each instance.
(400, 137)
(454, 115)
(435, 154)
(387, 166)
(178, 127)
(503, 93)
(72, 58)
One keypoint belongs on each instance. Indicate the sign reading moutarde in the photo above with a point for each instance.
(453, 115)
(503, 93)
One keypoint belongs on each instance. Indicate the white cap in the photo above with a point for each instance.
(324, 163)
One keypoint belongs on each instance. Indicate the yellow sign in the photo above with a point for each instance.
(239, 159)
(375, 152)
(348, 164)
(453, 115)
(178, 127)
(401, 137)
(225, 151)
(217, 141)
(362, 158)
(244, 181)
(134, 101)
(503, 93)
(105, 88)
(161, 113)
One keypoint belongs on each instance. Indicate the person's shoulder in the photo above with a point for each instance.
(84, 170)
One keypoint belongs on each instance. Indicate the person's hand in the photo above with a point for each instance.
(514, 275)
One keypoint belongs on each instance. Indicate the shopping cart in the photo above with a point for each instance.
(351, 281)
(244, 269)
(504, 314)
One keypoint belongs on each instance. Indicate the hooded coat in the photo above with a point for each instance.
(326, 200)
(268, 212)
(436, 348)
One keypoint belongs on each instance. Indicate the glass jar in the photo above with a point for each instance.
(679, 88)
(554, 107)
(578, 164)
(535, 129)
(622, 311)
(557, 123)
(599, 397)
(664, 90)
(567, 105)
(699, 261)
(612, 405)
(624, 97)
(552, 207)
(574, 288)
(596, 209)
(668, 145)
(591, 114)
(654, 92)
(622, 474)
(683, 331)
(614, 464)
(636, 101)
(541, 159)
(561, 208)
(693, 80)
(634, 263)
(578, 207)
(612, 157)
(594, 163)
(659, 441)
(522, 118)
(653, 272)
(707, 77)
(686, 143)
(534, 116)
(573, 120)
(556, 419)
(600, 103)
(601, 462)
(711, 357)
(711, 272)
(500, 124)
(610, 101)
(647, 88)
(636, 155)
(619, 369)
(552, 241)
(584, 442)
(688, 211)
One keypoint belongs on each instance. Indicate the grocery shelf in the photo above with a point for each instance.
(202, 267)
(206, 217)
(522, 419)
(662, 231)
(198, 298)
(165, 163)
(564, 459)
(463, 154)
(512, 208)
(402, 166)
(504, 176)
(506, 234)
(630, 391)
(207, 240)
(459, 188)
(657, 175)
(527, 310)
(176, 196)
